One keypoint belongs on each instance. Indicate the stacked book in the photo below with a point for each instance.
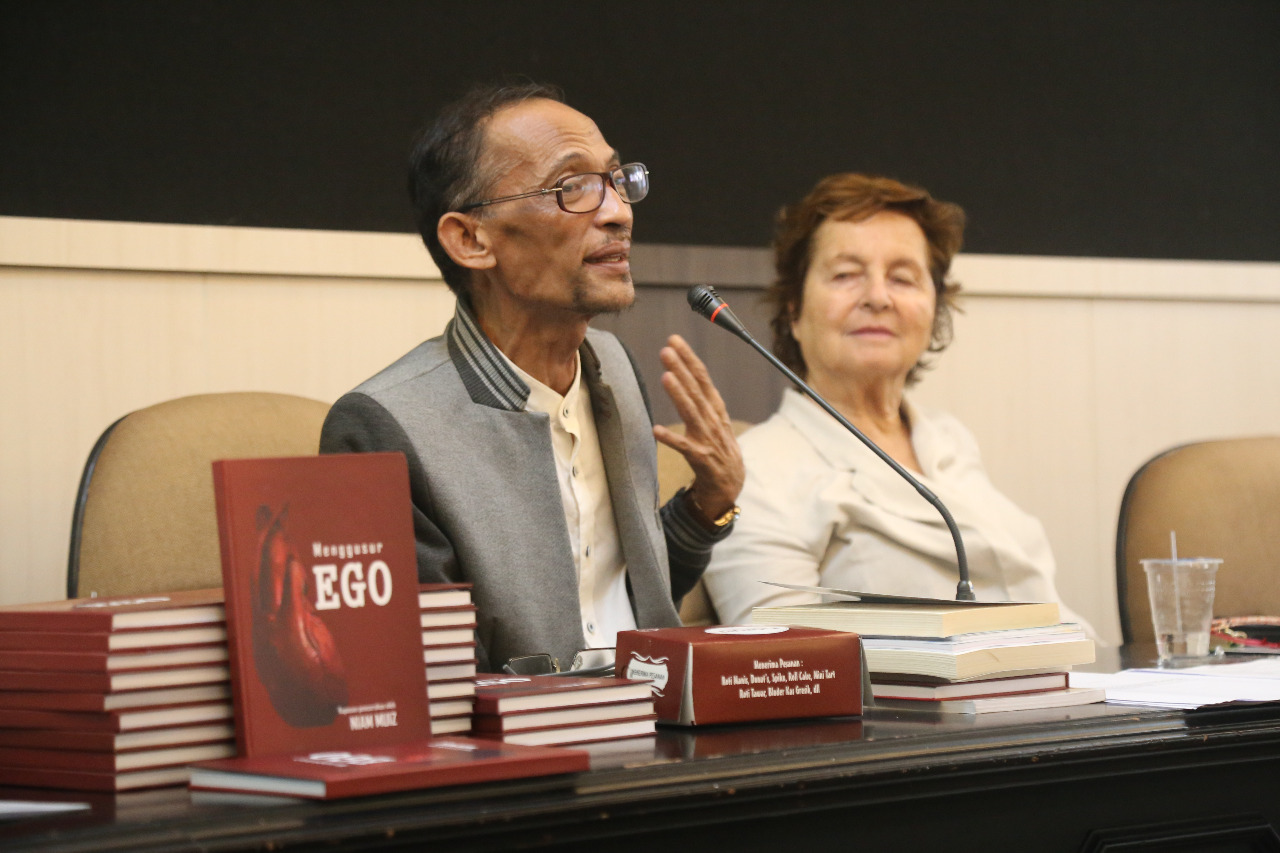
(448, 621)
(957, 657)
(113, 694)
(543, 710)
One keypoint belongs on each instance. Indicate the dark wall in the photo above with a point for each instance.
(1147, 128)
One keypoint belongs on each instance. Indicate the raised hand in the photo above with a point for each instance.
(708, 443)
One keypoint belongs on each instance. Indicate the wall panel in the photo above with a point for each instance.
(1071, 372)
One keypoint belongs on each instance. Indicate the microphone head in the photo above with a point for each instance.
(704, 300)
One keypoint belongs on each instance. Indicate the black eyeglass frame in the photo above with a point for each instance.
(558, 189)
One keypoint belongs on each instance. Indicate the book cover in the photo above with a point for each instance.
(84, 741)
(578, 715)
(395, 767)
(107, 682)
(53, 701)
(1063, 698)
(504, 694)
(170, 609)
(882, 688)
(910, 620)
(322, 602)
(735, 674)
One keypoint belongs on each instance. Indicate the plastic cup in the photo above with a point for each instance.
(1181, 593)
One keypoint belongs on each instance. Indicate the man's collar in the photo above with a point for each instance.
(487, 375)
(486, 372)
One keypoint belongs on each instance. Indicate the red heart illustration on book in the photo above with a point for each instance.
(294, 651)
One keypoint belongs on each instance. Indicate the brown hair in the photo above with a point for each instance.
(850, 197)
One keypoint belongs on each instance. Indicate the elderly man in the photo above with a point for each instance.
(528, 435)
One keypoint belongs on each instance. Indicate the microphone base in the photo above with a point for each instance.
(964, 591)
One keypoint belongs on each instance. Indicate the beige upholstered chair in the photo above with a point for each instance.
(1223, 500)
(674, 473)
(144, 520)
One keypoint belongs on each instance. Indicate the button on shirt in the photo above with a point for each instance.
(588, 509)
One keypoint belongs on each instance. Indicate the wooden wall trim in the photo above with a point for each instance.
(996, 275)
(83, 244)
(144, 246)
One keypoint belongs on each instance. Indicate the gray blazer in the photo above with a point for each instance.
(486, 501)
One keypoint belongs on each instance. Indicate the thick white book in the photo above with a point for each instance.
(990, 704)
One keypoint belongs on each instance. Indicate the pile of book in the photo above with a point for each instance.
(957, 657)
(544, 710)
(113, 694)
(448, 622)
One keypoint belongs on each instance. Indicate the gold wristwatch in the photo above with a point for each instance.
(721, 522)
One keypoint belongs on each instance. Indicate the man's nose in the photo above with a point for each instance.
(614, 211)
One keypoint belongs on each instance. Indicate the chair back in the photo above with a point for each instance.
(673, 474)
(145, 519)
(1223, 499)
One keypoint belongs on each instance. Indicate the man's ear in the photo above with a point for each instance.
(466, 241)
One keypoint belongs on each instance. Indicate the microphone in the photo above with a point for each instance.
(705, 301)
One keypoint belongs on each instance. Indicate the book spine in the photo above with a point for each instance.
(236, 649)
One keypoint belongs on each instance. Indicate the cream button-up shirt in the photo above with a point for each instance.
(588, 509)
(820, 509)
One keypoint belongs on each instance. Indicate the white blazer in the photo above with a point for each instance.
(820, 509)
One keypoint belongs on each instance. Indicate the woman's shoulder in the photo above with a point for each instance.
(941, 430)
(775, 442)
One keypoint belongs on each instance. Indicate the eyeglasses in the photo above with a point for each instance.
(584, 193)
(588, 662)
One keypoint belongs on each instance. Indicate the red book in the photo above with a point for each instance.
(115, 762)
(107, 682)
(457, 689)
(577, 715)
(450, 725)
(92, 780)
(450, 671)
(41, 661)
(449, 636)
(116, 742)
(448, 617)
(51, 701)
(735, 674)
(321, 576)
(434, 655)
(165, 610)
(107, 641)
(452, 707)
(436, 596)
(398, 767)
(116, 721)
(505, 694)
(591, 733)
